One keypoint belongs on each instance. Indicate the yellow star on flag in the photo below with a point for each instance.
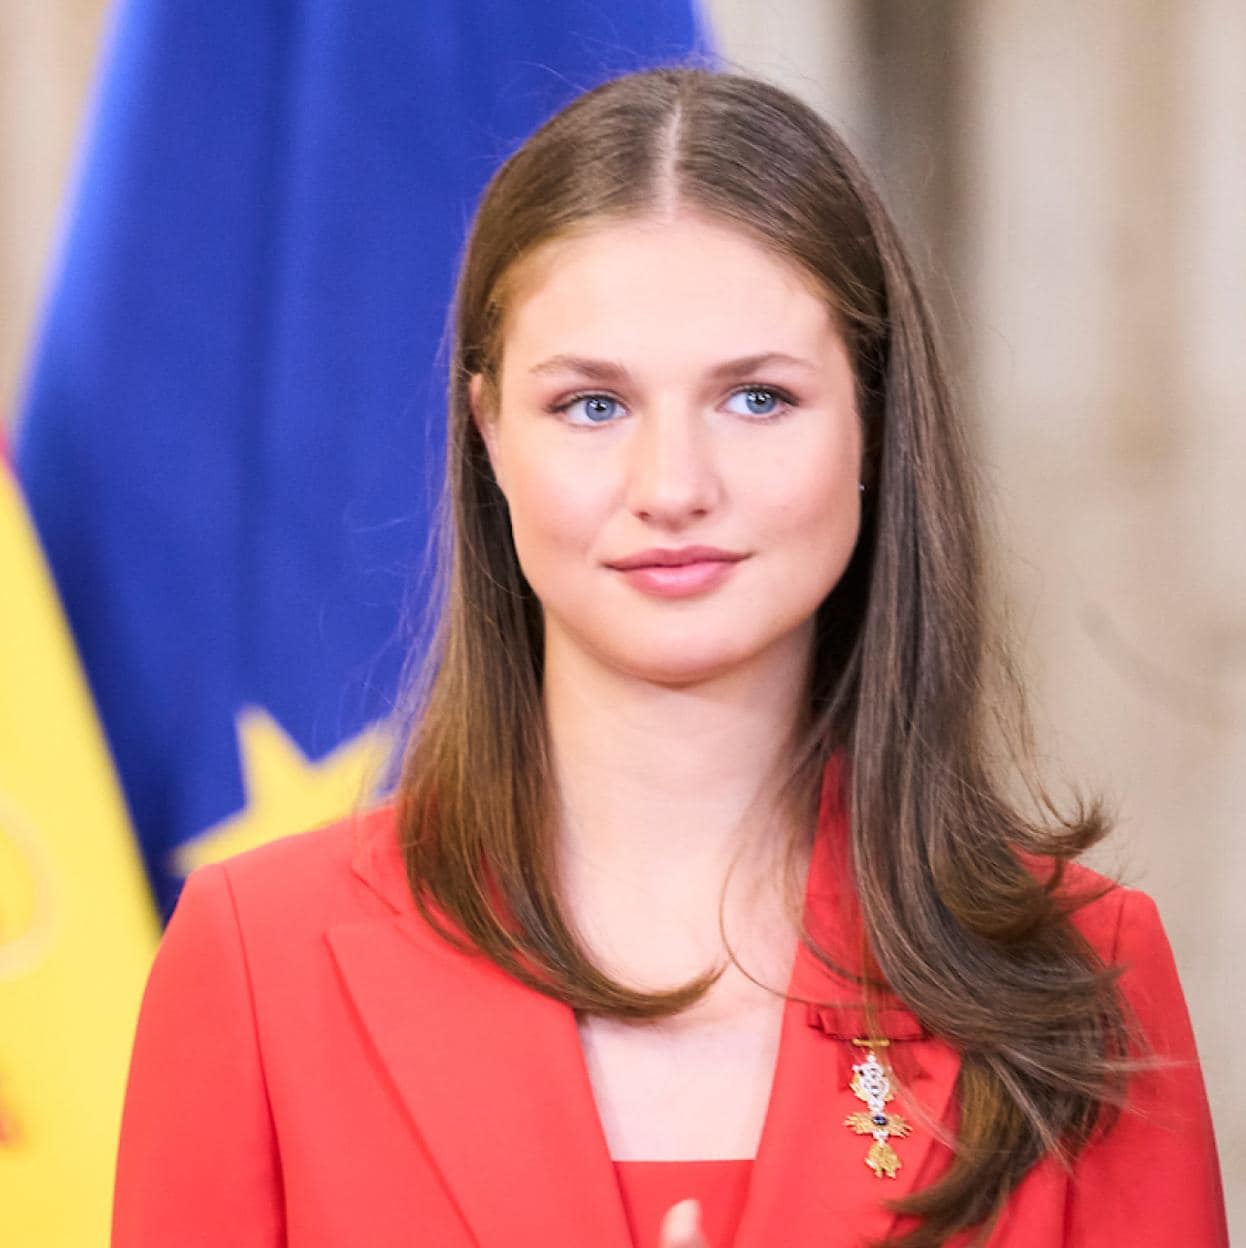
(286, 791)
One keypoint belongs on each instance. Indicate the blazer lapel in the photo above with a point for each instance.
(490, 1072)
(810, 1183)
(492, 1075)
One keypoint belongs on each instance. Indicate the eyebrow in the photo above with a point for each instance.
(609, 371)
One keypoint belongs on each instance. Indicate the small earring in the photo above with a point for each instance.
(861, 486)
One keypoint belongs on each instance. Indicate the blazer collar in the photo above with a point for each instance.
(810, 1182)
(493, 1078)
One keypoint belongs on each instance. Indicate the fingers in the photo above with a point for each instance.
(681, 1228)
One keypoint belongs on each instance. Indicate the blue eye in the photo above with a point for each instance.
(599, 409)
(760, 401)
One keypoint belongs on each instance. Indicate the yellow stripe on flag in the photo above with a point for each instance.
(77, 924)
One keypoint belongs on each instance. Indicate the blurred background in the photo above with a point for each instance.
(1071, 178)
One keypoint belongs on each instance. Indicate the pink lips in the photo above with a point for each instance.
(677, 573)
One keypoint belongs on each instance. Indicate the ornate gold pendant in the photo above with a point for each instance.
(871, 1085)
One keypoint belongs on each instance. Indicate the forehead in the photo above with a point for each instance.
(664, 287)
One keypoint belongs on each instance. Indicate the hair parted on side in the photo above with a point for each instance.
(902, 667)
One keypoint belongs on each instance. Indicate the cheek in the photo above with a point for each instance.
(810, 503)
(809, 532)
(828, 510)
(553, 510)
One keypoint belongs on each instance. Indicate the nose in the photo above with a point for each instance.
(672, 474)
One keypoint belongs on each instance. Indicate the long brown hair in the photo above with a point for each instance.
(976, 942)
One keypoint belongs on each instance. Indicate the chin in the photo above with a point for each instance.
(677, 665)
(701, 647)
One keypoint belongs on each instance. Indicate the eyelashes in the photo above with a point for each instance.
(587, 397)
(784, 401)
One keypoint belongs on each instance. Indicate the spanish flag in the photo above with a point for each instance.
(230, 442)
(77, 923)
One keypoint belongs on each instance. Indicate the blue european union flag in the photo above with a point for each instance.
(231, 438)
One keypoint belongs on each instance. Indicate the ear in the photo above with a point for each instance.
(484, 419)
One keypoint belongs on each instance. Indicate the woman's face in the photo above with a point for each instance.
(664, 385)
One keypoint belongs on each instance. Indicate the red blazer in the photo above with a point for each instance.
(315, 1067)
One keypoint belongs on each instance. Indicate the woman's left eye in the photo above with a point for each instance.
(760, 401)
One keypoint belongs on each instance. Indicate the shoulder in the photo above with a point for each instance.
(349, 869)
(1123, 926)
(1115, 920)
(1164, 1141)
(1098, 906)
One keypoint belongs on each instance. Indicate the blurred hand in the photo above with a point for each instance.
(681, 1227)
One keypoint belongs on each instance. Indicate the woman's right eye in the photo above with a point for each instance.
(592, 409)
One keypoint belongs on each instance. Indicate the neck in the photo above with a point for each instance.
(666, 798)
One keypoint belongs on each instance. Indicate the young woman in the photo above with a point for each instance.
(703, 914)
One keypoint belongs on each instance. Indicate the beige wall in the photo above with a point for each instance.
(1105, 259)
(47, 56)
(1073, 176)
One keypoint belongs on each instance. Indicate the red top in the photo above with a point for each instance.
(316, 1065)
(650, 1188)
